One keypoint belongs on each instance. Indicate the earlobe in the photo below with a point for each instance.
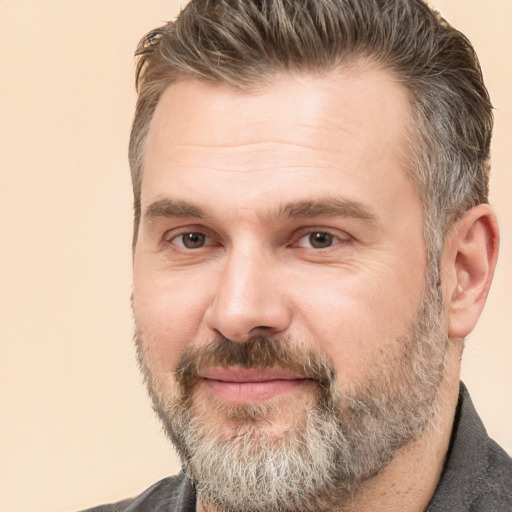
(469, 260)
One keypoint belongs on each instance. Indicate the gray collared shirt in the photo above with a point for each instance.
(477, 476)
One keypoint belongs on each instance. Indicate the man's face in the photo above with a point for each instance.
(279, 273)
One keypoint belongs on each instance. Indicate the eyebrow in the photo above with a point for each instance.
(171, 208)
(327, 207)
(322, 207)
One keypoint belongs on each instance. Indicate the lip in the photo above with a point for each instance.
(250, 385)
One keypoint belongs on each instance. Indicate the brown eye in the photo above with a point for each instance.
(192, 240)
(320, 240)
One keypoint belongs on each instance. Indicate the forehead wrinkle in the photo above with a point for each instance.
(239, 170)
(288, 153)
(275, 144)
(248, 158)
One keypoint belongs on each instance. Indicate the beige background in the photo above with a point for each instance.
(76, 427)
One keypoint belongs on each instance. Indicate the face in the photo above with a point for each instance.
(279, 278)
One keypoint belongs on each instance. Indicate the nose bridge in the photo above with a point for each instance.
(248, 299)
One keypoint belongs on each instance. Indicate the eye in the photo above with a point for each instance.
(191, 240)
(318, 240)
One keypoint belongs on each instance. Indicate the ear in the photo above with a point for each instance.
(469, 259)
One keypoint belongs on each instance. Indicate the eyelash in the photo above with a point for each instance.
(176, 236)
(307, 233)
(334, 239)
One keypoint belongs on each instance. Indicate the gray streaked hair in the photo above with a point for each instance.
(247, 43)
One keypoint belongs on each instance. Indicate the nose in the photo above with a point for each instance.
(250, 298)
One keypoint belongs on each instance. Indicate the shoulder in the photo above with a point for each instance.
(478, 473)
(495, 493)
(173, 493)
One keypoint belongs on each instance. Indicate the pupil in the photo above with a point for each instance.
(193, 240)
(320, 240)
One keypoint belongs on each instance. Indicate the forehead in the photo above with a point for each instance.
(365, 95)
(349, 125)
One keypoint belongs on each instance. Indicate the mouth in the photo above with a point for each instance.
(250, 385)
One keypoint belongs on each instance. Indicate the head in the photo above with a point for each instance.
(310, 180)
(247, 44)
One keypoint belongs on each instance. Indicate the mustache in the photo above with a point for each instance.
(261, 352)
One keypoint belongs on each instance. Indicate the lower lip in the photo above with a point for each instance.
(250, 392)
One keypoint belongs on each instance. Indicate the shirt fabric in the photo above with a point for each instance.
(477, 476)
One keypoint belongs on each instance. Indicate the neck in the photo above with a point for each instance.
(409, 481)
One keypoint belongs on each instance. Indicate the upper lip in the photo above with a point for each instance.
(234, 374)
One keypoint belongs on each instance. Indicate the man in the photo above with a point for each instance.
(312, 244)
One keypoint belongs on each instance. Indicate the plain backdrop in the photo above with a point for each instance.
(76, 428)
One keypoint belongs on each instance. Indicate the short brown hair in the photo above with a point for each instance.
(247, 43)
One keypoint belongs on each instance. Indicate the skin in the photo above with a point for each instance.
(248, 171)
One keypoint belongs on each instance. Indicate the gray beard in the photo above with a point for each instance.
(336, 443)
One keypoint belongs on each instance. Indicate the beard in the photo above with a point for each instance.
(334, 441)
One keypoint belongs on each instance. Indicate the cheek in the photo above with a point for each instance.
(357, 319)
(168, 313)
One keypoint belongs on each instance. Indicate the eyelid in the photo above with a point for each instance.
(172, 234)
(181, 244)
(338, 235)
